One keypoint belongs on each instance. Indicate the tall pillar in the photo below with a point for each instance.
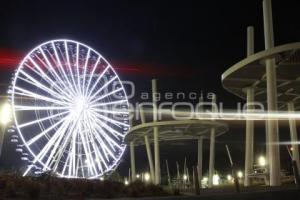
(211, 170)
(250, 40)
(274, 155)
(132, 161)
(294, 137)
(200, 158)
(148, 147)
(155, 135)
(249, 123)
(249, 138)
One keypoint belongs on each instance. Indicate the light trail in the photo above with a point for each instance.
(228, 115)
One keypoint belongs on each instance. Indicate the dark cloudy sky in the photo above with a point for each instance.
(186, 45)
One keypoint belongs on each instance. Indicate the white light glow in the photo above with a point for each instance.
(70, 117)
(262, 161)
(216, 179)
(185, 177)
(229, 177)
(5, 114)
(126, 182)
(147, 176)
(240, 174)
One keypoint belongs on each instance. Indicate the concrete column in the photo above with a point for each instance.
(200, 158)
(274, 155)
(249, 123)
(155, 135)
(250, 40)
(249, 139)
(211, 169)
(149, 154)
(148, 147)
(294, 137)
(132, 161)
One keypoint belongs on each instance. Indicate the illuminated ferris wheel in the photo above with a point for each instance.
(70, 110)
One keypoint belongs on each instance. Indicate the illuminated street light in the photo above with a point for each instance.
(184, 177)
(126, 182)
(137, 176)
(240, 174)
(216, 179)
(5, 114)
(229, 177)
(101, 179)
(147, 176)
(262, 161)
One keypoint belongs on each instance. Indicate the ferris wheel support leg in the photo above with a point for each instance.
(132, 161)
(273, 137)
(294, 137)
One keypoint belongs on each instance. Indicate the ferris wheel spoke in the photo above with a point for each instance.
(69, 65)
(29, 108)
(62, 70)
(56, 140)
(54, 159)
(90, 147)
(109, 140)
(110, 111)
(78, 70)
(53, 71)
(105, 135)
(42, 119)
(65, 167)
(42, 74)
(118, 102)
(66, 140)
(46, 148)
(43, 133)
(84, 70)
(100, 141)
(36, 83)
(113, 132)
(86, 148)
(97, 81)
(49, 66)
(92, 74)
(104, 86)
(25, 92)
(105, 149)
(108, 119)
(105, 95)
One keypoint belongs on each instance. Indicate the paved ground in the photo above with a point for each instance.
(261, 193)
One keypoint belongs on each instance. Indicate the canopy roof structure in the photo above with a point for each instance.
(251, 72)
(175, 130)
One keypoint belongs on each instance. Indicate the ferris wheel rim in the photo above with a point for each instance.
(21, 65)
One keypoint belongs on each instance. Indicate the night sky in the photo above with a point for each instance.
(186, 45)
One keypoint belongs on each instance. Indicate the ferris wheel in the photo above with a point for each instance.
(70, 110)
